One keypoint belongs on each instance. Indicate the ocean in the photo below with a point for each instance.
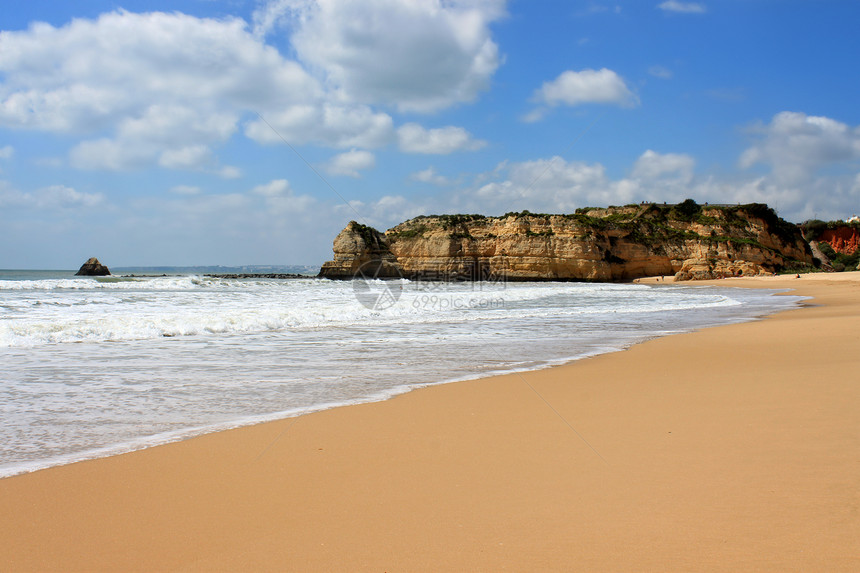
(91, 367)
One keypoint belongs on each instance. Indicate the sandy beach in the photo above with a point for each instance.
(735, 448)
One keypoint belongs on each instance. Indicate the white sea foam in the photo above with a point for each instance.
(94, 367)
(62, 311)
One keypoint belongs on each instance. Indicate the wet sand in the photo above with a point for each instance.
(735, 448)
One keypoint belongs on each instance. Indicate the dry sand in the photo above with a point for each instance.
(736, 448)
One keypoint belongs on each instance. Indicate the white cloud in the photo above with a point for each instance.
(229, 172)
(196, 158)
(412, 138)
(157, 123)
(190, 157)
(652, 165)
(92, 74)
(159, 89)
(795, 146)
(660, 72)
(107, 154)
(281, 199)
(6, 152)
(156, 88)
(60, 196)
(47, 198)
(186, 190)
(535, 115)
(549, 185)
(351, 162)
(123, 155)
(421, 55)
(273, 188)
(682, 7)
(384, 212)
(555, 185)
(289, 204)
(328, 124)
(430, 175)
(587, 86)
(792, 202)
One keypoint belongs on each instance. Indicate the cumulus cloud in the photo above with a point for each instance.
(196, 158)
(159, 89)
(652, 165)
(553, 185)
(573, 88)
(123, 155)
(164, 89)
(412, 138)
(422, 55)
(327, 124)
(281, 199)
(795, 146)
(190, 157)
(682, 7)
(92, 74)
(350, 163)
(229, 172)
(273, 188)
(384, 212)
(47, 198)
(107, 154)
(430, 175)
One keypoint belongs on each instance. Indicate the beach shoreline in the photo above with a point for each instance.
(730, 448)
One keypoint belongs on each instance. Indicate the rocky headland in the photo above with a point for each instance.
(687, 241)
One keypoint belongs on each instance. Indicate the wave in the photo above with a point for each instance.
(191, 306)
(188, 282)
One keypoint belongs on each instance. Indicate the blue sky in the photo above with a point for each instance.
(250, 132)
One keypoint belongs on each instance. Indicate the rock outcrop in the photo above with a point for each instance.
(92, 268)
(361, 249)
(616, 243)
(835, 244)
(845, 240)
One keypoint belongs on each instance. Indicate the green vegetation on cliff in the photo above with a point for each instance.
(647, 224)
(371, 237)
(813, 228)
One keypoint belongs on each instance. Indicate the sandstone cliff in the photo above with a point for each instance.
(836, 244)
(616, 243)
(844, 240)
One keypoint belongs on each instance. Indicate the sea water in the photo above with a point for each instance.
(97, 366)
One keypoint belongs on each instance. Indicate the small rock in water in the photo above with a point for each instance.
(93, 268)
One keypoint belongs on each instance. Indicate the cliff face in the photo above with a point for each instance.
(616, 243)
(845, 240)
